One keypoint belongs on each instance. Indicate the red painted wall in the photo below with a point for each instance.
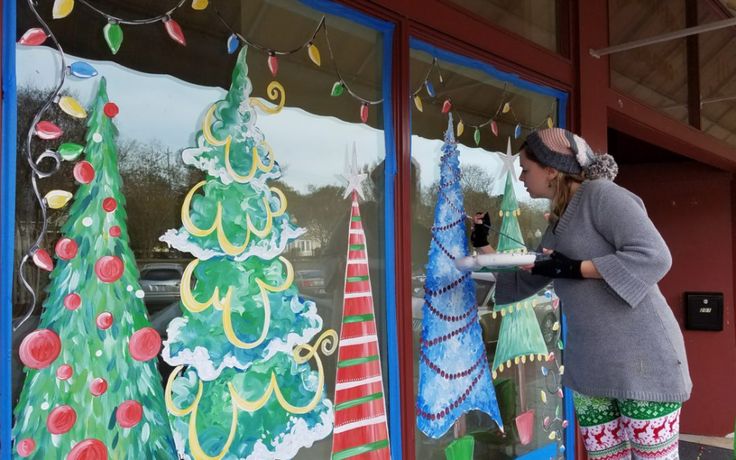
(692, 206)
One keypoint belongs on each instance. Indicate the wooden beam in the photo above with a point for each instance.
(636, 119)
(693, 65)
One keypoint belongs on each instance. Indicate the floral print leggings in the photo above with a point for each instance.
(615, 429)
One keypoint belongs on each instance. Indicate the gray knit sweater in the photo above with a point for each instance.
(623, 341)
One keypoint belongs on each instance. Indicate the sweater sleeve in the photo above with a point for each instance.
(514, 286)
(641, 257)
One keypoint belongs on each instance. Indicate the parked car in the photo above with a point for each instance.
(160, 282)
(310, 282)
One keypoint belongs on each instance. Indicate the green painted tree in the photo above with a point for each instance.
(92, 388)
(244, 386)
(519, 337)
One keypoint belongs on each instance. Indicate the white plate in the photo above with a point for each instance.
(498, 260)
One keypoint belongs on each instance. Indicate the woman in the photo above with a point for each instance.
(625, 354)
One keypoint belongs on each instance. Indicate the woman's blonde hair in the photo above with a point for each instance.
(563, 185)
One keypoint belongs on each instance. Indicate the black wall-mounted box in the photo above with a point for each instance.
(704, 311)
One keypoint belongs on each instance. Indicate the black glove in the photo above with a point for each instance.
(479, 234)
(558, 266)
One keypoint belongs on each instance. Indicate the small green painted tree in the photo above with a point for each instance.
(92, 388)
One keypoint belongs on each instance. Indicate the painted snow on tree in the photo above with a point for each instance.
(250, 380)
(454, 377)
(92, 387)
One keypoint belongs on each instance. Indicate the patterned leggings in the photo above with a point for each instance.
(626, 429)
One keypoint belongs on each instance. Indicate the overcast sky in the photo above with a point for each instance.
(170, 110)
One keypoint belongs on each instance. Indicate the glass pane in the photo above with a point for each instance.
(535, 20)
(717, 88)
(654, 74)
(499, 112)
(203, 218)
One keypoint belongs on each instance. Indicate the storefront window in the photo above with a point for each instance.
(654, 74)
(542, 22)
(243, 248)
(491, 113)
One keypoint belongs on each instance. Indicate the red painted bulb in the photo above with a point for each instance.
(89, 449)
(61, 419)
(111, 109)
(109, 204)
(115, 231)
(25, 447)
(64, 372)
(144, 344)
(72, 301)
(66, 248)
(40, 348)
(84, 172)
(104, 320)
(109, 268)
(129, 413)
(98, 386)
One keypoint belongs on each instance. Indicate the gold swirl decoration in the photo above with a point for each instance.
(274, 91)
(327, 343)
(227, 246)
(224, 303)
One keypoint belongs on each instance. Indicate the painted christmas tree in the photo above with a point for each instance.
(454, 377)
(92, 388)
(244, 386)
(519, 337)
(361, 428)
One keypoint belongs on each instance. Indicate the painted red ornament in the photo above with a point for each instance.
(25, 447)
(66, 248)
(446, 106)
(115, 231)
(84, 172)
(129, 413)
(144, 344)
(364, 112)
(109, 204)
(104, 320)
(89, 449)
(494, 128)
(47, 131)
(64, 372)
(33, 37)
(61, 419)
(111, 109)
(273, 64)
(109, 268)
(72, 301)
(40, 348)
(98, 386)
(42, 259)
(174, 30)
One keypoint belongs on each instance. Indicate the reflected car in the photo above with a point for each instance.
(310, 282)
(160, 282)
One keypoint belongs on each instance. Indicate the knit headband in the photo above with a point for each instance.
(569, 153)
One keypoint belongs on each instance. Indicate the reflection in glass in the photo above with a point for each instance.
(498, 109)
(163, 92)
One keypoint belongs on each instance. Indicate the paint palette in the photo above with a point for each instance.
(501, 261)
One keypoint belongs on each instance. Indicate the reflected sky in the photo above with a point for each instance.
(169, 110)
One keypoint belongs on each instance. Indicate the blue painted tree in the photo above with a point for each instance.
(454, 377)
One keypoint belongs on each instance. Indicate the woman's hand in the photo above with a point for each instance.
(479, 233)
(557, 265)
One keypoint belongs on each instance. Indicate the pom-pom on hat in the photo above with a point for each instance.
(569, 153)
